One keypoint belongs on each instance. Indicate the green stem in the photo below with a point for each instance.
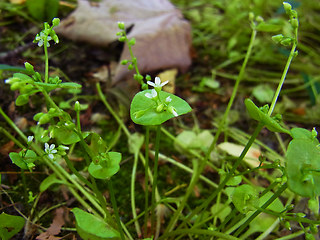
(116, 117)
(8, 135)
(133, 202)
(46, 73)
(146, 181)
(198, 232)
(283, 77)
(155, 176)
(115, 208)
(258, 211)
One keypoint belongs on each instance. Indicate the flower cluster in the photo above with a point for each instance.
(51, 150)
(154, 95)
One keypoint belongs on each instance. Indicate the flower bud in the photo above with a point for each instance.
(55, 22)
(160, 108)
(132, 42)
(122, 39)
(77, 106)
(44, 119)
(121, 25)
(287, 7)
(124, 62)
(277, 38)
(294, 23)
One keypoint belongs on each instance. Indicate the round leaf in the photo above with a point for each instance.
(302, 167)
(10, 225)
(104, 172)
(245, 198)
(143, 109)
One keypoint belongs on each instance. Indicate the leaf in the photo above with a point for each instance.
(190, 139)
(268, 27)
(264, 93)
(303, 167)
(89, 227)
(6, 67)
(108, 166)
(220, 210)
(43, 10)
(156, 25)
(245, 198)
(64, 135)
(22, 99)
(10, 225)
(251, 158)
(48, 181)
(55, 226)
(23, 161)
(259, 115)
(143, 112)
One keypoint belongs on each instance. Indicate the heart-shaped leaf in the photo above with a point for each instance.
(65, 135)
(143, 110)
(107, 167)
(245, 198)
(90, 227)
(259, 115)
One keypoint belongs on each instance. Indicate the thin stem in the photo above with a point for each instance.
(155, 176)
(133, 202)
(146, 181)
(283, 77)
(115, 208)
(198, 232)
(46, 73)
(113, 113)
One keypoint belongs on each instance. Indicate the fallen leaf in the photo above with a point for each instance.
(55, 226)
(163, 37)
(251, 158)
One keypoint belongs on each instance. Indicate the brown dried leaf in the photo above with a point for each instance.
(163, 38)
(55, 226)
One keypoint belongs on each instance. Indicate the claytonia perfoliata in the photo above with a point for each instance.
(157, 83)
(168, 99)
(173, 111)
(50, 150)
(151, 95)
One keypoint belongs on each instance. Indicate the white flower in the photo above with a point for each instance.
(50, 150)
(40, 38)
(151, 95)
(30, 139)
(157, 83)
(168, 99)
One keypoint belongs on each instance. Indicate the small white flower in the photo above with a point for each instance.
(151, 95)
(30, 139)
(157, 83)
(50, 150)
(168, 99)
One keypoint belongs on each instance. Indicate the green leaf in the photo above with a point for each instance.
(70, 85)
(259, 115)
(264, 93)
(23, 161)
(64, 135)
(22, 99)
(268, 27)
(48, 181)
(6, 67)
(220, 210)
(245, 198)
(143, 109)
(90, 227)
(303, 167)
(10, 225)
(107, 167)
